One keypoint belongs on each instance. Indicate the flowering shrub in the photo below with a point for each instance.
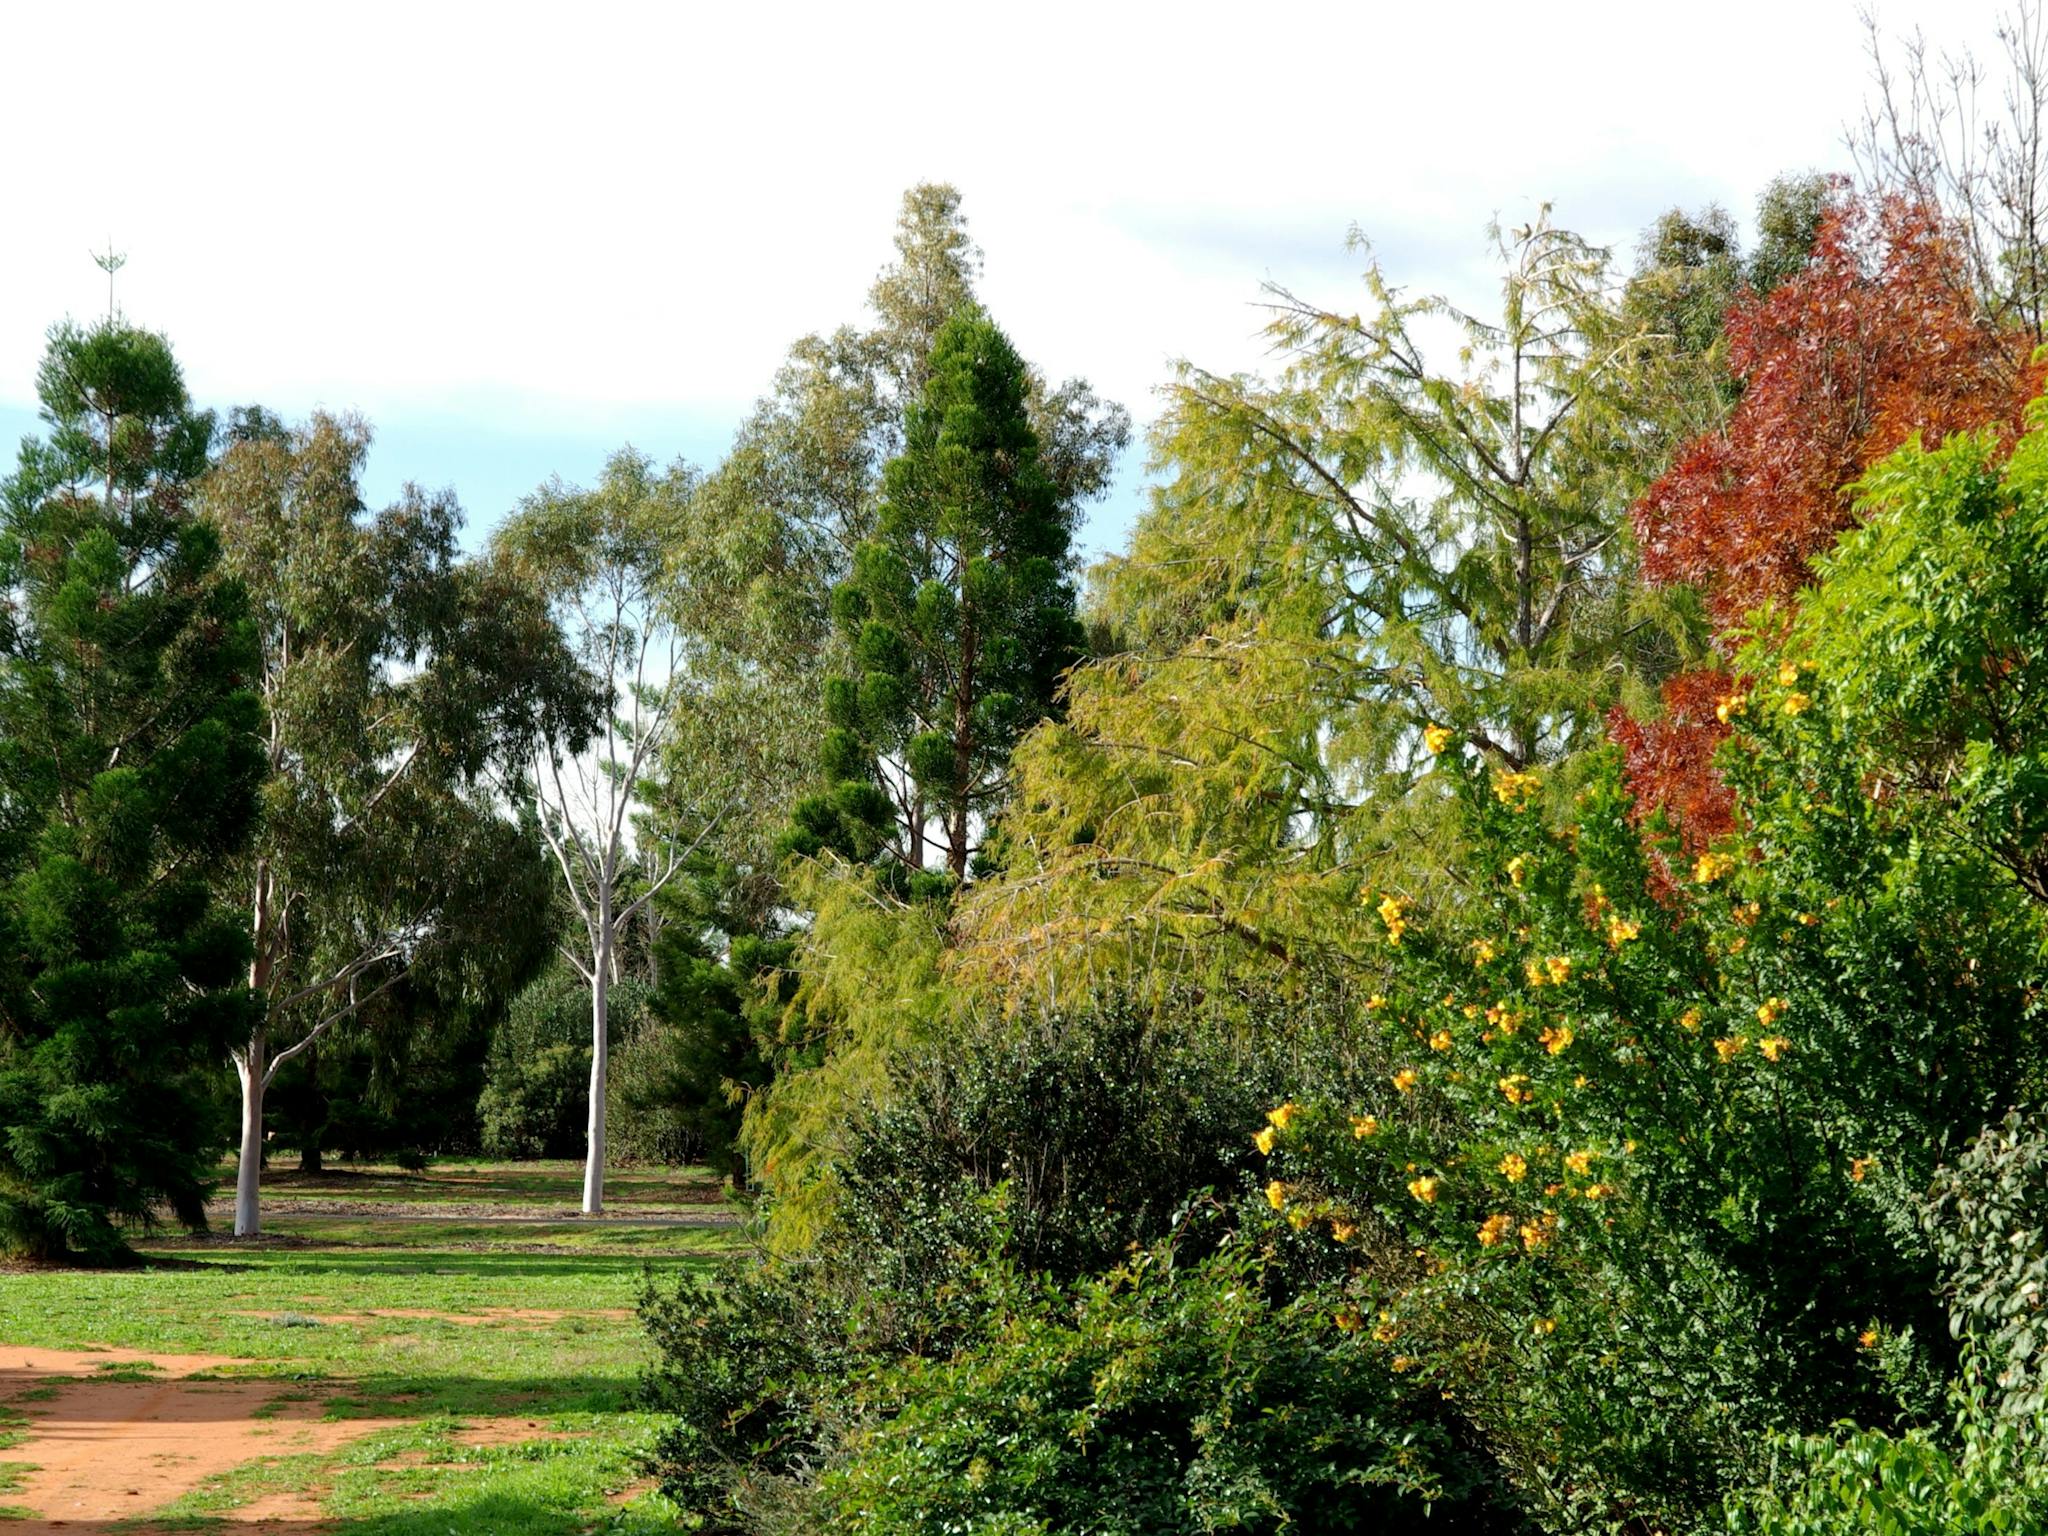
(1629, 1193)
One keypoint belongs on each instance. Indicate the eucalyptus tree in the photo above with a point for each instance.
(395, 677)
(128, 782)
(601, 557)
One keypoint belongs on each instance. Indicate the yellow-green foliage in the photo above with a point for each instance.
(872, 987)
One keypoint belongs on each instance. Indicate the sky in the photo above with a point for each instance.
(517, 237)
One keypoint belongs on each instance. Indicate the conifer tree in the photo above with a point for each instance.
(958, 615)
(128, 779)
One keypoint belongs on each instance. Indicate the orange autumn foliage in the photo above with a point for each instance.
(1875, 342)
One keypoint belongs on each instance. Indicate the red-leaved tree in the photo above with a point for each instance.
(1876, 341)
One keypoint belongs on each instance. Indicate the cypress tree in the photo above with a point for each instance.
(128, 776)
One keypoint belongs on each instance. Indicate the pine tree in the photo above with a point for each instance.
(128, 778)
(958, 614)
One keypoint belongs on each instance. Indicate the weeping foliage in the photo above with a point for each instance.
(1369, 545)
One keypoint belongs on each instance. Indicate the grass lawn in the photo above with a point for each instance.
(356, 1375)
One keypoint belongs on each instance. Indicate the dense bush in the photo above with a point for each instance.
(1642, 1190)
(1050, 1149)
(1164, 1397)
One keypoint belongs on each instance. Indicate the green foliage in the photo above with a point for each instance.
(1130, 1404)
(128, 779)
(718, 1019)
(1656, 1147)
(957, 618)
(1371, 543)
(537, 1075)
(1051, 1145)
(1931, 626)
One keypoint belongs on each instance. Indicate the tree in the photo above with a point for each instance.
(601, 557)
(393, 676)
(128, 782)
(1876, 341)
(775, 528)
(1366, 557)
(958, 617)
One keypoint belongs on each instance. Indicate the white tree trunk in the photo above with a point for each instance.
(600, 1054)
(249, 1166)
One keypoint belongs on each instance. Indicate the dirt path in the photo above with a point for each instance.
(100, 1446)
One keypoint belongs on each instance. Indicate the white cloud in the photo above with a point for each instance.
(547, 218)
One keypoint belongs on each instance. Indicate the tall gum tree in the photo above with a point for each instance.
(601, 556)
(395, 678)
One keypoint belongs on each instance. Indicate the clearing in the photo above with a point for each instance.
(452, 1351)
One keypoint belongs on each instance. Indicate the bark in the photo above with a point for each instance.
(600, 1051)
(249, 1165)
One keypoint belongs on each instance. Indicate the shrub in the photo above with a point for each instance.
(1052, 1146)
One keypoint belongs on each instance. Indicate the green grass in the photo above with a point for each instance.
(298, 1309)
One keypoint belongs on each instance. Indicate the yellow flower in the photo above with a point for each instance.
(1405, 1080)
(1436, 737)
(1598, 1191)
(1731, 1047)
(1276, 1195)
(1770, 1010)
(1533, 969)
(1808, 919)
(1390, 909)
(1402, 1363)
(1516, 1088)
(1423, 1189)
(1580, 1162)
(1559, 969)
(1363, 1126)
(1286, 1112)
(1483, 951)
(1798, 703)
(1788, 674)
(1518, 869)
(1711, 867)
(1496, 1229)
(1342, 1231)
(1859, 1167)
(1265, 1139)
(1386, 1330)
(1536, 1233)
(1730, 706)
(1773, 1046)
(1620, 930)
(1690, 1020)
(1347, 1319)
(1506, 1020)
(1867, 1338)
(1543, 1325)
(1440, 1041)
(1581, 1080)
(1514, 1167)
(1515, 790)
(1300, 1217)
(1556, 1039)
(1375, 1003)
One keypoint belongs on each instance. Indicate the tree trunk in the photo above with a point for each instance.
(600, 1052)
(249, 1165)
